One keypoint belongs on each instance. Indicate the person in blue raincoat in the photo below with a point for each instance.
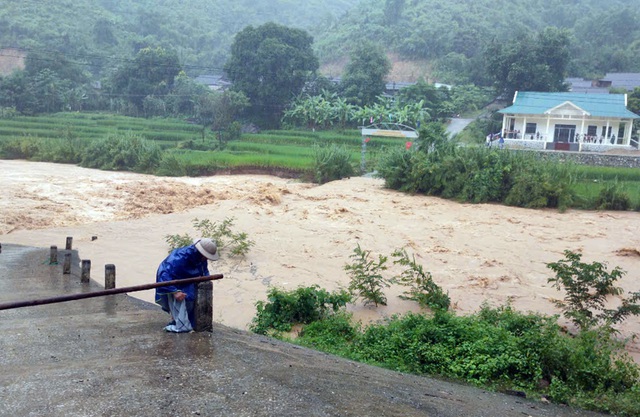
(178, 300)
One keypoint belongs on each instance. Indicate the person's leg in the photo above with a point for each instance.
(180, 316)
(191, 306)
(163, 301)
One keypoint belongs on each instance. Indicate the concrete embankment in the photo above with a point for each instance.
(109, 357)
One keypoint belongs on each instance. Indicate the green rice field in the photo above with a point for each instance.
(289, 150)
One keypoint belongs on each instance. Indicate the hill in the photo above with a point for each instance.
(96, 32)
(446, 38)
(606, 36)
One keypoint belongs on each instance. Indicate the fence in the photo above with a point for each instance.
(203, 304)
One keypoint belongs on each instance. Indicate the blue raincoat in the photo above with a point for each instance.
(181, 263)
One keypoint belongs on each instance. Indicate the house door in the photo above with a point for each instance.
(564, 133)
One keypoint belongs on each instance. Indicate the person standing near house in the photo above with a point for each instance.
(501, 142)
(179, 300)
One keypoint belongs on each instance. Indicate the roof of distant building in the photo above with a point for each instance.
(603, 105)
(582, 85)
(627, 80)
(212, 80)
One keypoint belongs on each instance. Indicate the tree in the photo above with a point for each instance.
(184, 95)
(364, 77)
(219, 110)
(530, 63)
(271, 64)
(587, 287)
(393, 11)
(152, 72)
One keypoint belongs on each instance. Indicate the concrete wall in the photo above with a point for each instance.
(519, 143)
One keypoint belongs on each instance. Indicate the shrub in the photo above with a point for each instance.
(64, 150)
(237, 242)
(497, 348)
(334, 333)
(587, 287)
(395, 167)
(367, 282)
(127, 152)
(478, 174)
(304, 305)
(20, 148)
(611, 197)
(331, 163)
(420, 282)
(171, 166)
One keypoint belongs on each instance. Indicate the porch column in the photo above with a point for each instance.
(607, 135)
(546, 133)
(582, 127)
(524, 127)
(504, 123)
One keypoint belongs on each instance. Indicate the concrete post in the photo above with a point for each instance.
(109, 276)
(53, 255)
(69, 243)
(204, 307)
(86, 270)
(66, 266)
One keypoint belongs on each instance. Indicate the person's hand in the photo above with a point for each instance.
(179, 296)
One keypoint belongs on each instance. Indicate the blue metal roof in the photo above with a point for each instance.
(599, 105)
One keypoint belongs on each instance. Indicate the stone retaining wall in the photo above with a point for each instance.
(587, 156)
(596, 159)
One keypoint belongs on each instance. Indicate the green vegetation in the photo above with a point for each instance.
(422, 288)
(367, 281)
(332, 162)
(587, 287)
(270, 64)
(365, 74)
(173, 147)
(238, 243)
(453, 36)
(496, 348)
(480, 175)
(94, 32)
(530, 63)
(304, 305)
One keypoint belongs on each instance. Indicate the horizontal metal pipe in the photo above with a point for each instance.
(72, 297)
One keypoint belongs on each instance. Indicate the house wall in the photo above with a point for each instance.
(545, 127)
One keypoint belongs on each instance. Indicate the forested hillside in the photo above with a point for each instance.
(201, 31)
(605, 35)
(451, 36)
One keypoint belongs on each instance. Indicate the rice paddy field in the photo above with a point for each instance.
(286, 150)
(272, 151)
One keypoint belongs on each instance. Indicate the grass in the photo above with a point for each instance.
(283, 149)
(289, 150)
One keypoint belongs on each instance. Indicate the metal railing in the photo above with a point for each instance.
(112, 291)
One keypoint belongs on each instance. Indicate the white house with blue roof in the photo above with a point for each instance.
(568, 121)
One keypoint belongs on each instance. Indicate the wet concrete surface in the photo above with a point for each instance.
(109, 357)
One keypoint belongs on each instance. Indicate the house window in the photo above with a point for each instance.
(531, 128)
(592, 130)
(606, 133)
